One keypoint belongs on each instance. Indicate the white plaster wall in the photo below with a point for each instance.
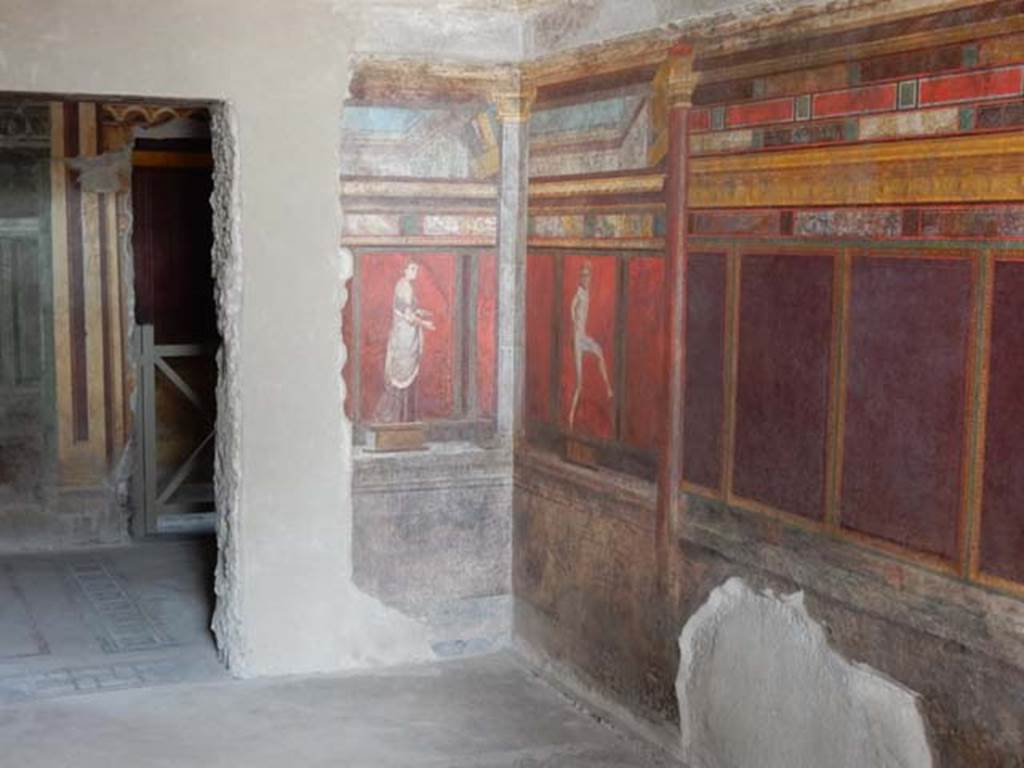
(282, 69)
(452, 28)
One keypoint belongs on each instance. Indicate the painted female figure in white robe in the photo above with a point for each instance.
(404, 351)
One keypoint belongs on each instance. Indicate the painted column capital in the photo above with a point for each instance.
(514, 103)
(682, 79)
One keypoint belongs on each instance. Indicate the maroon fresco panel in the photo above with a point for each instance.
(1002, 515)
(704, 395)
(486, 332)
(643, 405)
(595, 413)
(434, 290)
(904, 421)
(785, 320)
(540, 334)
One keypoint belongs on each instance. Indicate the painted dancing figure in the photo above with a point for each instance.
(582, 343)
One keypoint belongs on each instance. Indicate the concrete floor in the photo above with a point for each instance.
(106, 660)
(485, 712)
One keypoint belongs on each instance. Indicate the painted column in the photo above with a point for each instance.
(680, 85)
(78, 301)
(513, 110)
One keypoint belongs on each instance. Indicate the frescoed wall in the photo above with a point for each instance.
(432, 527)
(832, 234)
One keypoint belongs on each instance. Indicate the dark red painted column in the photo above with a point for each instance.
(681, 82)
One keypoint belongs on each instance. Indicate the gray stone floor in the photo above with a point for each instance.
(106, 619)
(484, 712)
(106, 660)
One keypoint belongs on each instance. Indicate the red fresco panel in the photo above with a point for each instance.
(643, 414)
(700, 119)
(346, 339)
(782, 381)
(760, 112)
(540, 332)
(904, 421)
(875, 98)
(704, 397)
(1002, 514)
(992, 84)
(434, 291)
(595, 412)
(486, 332)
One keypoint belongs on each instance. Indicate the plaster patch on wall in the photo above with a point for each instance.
(374, 635)
(108, 173)
(759, 687)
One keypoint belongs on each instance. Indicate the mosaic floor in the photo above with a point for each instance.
(106, 619)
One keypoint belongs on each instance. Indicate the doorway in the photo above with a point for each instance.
(176, 333)
(83, 606)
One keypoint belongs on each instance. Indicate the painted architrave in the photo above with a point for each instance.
(975, 168)
(599, 184)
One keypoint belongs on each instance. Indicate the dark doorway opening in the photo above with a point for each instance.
(177, 338)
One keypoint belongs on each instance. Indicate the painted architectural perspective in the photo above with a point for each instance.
(632, 383)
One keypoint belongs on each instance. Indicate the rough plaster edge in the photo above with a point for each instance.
(227, 621)
(700, 633)
(660, 739)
